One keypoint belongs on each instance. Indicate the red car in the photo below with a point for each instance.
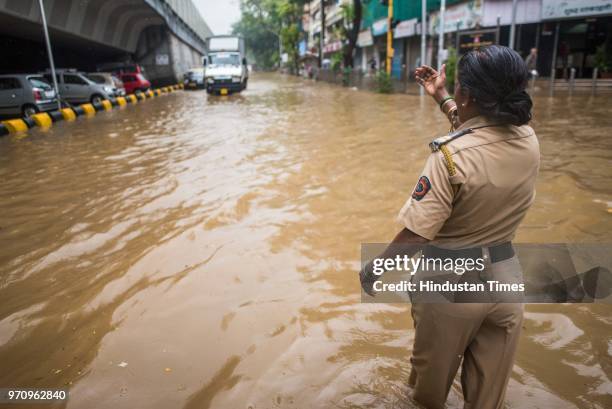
(134, 82)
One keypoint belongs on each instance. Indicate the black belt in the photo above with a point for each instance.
(497, 253)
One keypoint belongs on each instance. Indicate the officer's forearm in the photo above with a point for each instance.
(405, 243)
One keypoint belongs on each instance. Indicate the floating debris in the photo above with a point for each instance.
(122, 364)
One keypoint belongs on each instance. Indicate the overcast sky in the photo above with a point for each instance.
(219, 14)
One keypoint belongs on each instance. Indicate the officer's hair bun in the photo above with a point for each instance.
(496, 78)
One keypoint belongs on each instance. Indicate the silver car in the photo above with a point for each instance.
(25, 94)
(106, 78)
(76, 88)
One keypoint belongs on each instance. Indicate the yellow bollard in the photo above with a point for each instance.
(42, 120)
(68, 114)
(121, 101)
(150, 94)
(158, 92)
(107, 105)
(88, 109)
(15, 125)
(133, 98)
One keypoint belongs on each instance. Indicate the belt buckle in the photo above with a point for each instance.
(485, 274)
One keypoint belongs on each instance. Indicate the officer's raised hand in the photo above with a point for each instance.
(432, 81)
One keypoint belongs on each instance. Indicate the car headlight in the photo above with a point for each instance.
(235, 79)
(210, 80)
(108, 90)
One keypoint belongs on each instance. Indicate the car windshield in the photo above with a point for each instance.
(39, 82)
(224, 59)
(98, 79)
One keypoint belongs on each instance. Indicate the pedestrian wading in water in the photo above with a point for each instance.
(476, 187)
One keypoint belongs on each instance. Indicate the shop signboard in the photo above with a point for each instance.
(527, 11)
(379, 27)
(405, 28)
(365, 38)
(557, 9)
(162, 59)
(462, 16)
(477, 38)
(332, 47)
(302, 48)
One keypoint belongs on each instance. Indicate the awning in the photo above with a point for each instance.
(405, 28)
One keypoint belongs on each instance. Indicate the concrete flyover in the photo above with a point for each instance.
(166, 37)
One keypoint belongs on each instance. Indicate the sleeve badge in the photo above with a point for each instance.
(422, 187)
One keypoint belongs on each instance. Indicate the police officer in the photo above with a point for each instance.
(475, 189)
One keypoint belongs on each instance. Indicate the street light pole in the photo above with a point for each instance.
(389, 37)
(441, 37)
(423, 35)
(322, 36)
(50, 53)
(513, 24)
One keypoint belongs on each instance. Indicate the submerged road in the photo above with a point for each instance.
(196, 252)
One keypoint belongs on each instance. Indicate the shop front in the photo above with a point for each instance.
(458, 19)
(365, 49)
(379, 32)
(579, 34)
(405, 40)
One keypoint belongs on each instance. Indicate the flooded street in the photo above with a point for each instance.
(202, 252)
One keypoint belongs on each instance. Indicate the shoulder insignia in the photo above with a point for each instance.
(439, 144)
(443, 140)
(448, 160)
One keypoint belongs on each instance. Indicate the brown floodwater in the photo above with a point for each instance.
(202, 252)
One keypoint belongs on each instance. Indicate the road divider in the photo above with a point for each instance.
(68, 114)
(107, 105)
(46, 119)
(42, 120)
(15, 125)
(89, 109)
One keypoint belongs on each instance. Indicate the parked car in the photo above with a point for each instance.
(76, 88)
(25, 95)
(108, 79)
(135, 82)
(194, 78)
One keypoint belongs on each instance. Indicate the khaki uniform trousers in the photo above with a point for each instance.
(482, 337)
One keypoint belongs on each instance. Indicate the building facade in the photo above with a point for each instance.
(568, 34)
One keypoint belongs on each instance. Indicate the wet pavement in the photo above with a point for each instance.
(196, 252)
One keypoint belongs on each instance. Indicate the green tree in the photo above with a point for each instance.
(352, 14)
(268, 26)
(260, 27)
(290, 13)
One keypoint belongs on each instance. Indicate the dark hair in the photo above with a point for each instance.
(496, 78)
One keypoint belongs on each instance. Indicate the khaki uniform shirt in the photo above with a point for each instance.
(487, 198)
